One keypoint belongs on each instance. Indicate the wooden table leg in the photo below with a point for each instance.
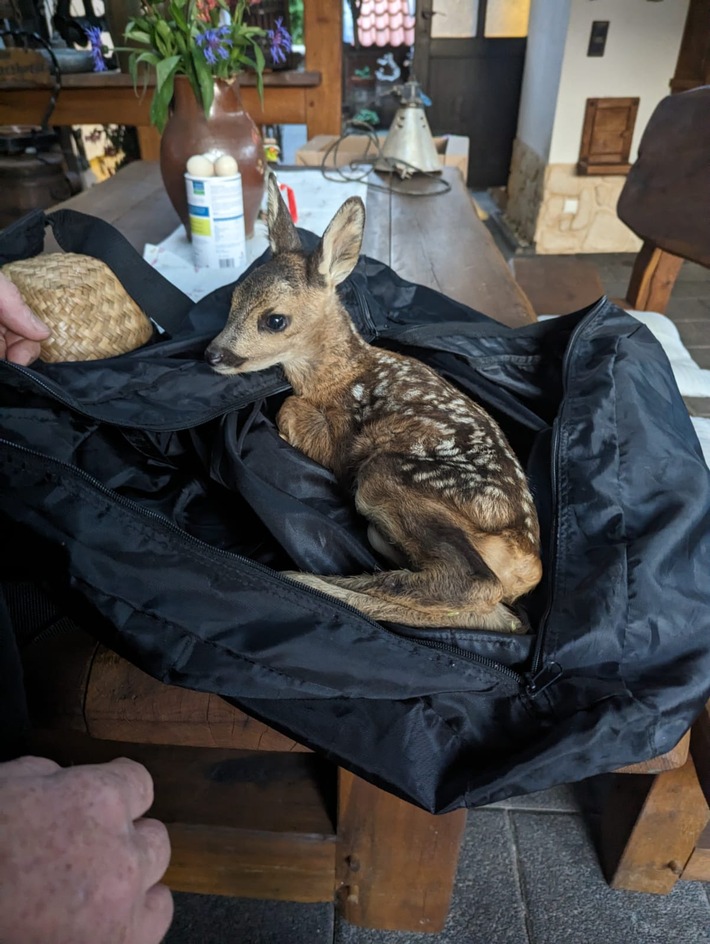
(149, 143)
(648, 835)
(396, 864)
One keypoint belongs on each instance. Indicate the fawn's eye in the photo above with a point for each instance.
(275, 323)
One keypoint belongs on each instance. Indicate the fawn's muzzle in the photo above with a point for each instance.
(216, 356)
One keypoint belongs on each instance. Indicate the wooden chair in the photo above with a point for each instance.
(656, 826)
(664, 200)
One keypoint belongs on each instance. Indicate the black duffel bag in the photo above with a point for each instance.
(161, 495)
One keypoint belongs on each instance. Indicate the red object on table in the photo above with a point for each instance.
(290, 200)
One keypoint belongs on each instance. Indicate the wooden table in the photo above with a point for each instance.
(251, 812)
(437, 241)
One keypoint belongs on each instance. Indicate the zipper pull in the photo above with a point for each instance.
(546, 676)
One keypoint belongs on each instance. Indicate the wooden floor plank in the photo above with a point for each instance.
(558, 285)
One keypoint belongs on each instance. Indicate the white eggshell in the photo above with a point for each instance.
(200, 166)
(226, 166)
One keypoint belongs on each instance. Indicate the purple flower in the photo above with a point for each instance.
(94, 36)
(215, 43)
(279, 41)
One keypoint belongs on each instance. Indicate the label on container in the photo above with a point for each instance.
(216, 211)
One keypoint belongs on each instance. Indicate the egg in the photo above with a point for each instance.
(200, 166)
(226, 166)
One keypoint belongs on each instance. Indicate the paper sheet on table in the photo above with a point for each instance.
(317, 200)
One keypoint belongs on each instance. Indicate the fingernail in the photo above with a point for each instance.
(38, 321)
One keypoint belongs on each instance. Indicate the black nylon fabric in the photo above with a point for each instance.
(160, 494)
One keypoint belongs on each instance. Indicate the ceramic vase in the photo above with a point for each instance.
(227, 129)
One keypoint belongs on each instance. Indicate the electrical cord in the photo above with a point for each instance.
(353, 171)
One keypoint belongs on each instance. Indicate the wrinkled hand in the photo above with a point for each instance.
(20, 330)
(78, 864)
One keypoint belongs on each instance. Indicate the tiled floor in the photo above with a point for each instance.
(529, 872)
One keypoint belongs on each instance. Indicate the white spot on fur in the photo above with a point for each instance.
(358, 391)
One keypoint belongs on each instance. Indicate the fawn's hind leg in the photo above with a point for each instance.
(441, 594)
(373, 595)
(449, 583)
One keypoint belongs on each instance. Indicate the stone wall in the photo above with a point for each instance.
(578, 214)
(562, 212)
(525, 190)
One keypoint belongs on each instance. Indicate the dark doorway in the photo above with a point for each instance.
(474, 84)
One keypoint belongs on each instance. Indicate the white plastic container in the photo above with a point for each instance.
(216, 210)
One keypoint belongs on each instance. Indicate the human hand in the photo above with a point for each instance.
(78, 863)
(20, 330)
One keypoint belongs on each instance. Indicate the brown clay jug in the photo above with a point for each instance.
(227, 129)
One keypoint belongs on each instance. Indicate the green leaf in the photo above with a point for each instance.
(164, 39)
(162, 97)
(164, 71)
(138, 36)
(260, 59)
(178, 17)
(134, 60)
(204, 80)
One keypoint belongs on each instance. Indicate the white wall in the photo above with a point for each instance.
(541, 78)
(641, 52)
(454, 19)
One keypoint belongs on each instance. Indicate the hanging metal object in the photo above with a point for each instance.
(409, 146)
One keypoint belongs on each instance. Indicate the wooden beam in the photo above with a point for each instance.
(396, 864)
(652, 279)
(650, 829)
(80, 685)
(254, 825)
(248, 864)
(668, 761)
(323, 35)
(120, 104)
(124, 704)
(698, 867)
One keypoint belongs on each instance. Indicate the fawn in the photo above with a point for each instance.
(445, 497)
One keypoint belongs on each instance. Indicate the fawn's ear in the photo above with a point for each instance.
(282, 233)
(336, 255)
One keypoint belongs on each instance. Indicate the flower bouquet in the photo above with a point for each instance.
(203, 40)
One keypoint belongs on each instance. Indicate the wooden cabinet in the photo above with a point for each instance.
(606, 135)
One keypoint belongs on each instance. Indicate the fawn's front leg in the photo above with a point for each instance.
(305, 427)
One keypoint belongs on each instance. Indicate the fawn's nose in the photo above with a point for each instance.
(214, 356)
(223, 357)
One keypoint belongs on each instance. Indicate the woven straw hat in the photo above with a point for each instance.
(87, 309)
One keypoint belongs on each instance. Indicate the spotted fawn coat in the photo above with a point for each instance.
(446, 499)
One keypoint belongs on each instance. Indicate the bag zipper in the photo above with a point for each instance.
(140, 511)
(542, 674)
(236, 405)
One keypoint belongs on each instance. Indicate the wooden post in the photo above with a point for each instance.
(149, 142)
(323, 34)
(395, 864)
(664, 830)
(652, 278)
